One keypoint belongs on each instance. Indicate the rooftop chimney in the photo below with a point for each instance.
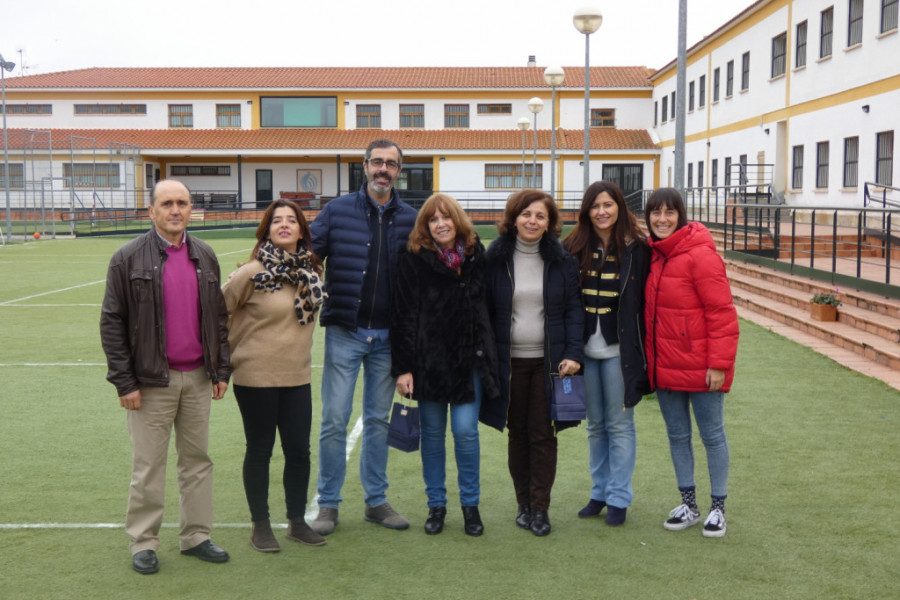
(531, 61)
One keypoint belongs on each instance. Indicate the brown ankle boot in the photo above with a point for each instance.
(299, 531)
(262, 538)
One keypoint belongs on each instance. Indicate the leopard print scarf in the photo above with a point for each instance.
(296, 270)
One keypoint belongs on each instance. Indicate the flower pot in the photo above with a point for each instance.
(823, 312)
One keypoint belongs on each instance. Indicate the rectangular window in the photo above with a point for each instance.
(201, 170)
(797, 169)
(884, 158)
(28, 109)
(412, 116)
(655, 113)
(691, 97)
(91, 175)
(700, 173)
(821, 165)
(510, 176)
(456, 115)
(665, 108)
(702, 101)
(800, 60)
(727, 170)
(368, 116)
(495, 109)
(310, 111)
(826, 30)
(181, 115)
(851, 161)
(714, 173)
(228, 115)
(690, 174)
(779, 53)
(715, 87)
(888, 15)
(603, 117)
(745, 72)
(672, 105)
(742, 160)
(855, 28)
(16, 176)
(111, 109)
(729, 79)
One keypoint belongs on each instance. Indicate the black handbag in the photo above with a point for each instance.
(567, 403)
(403, 432)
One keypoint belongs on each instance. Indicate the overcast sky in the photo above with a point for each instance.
(59, 35)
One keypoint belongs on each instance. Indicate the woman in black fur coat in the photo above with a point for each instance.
(442, 350)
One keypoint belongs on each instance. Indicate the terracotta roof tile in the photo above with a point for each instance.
(336, 78)
(335, 140)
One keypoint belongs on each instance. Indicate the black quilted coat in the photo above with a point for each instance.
(440, 330)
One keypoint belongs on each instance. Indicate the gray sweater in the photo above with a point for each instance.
(527, 334)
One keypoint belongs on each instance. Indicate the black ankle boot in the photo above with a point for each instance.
(540, 522)
(523, 517)
(473, 526)
(434, 524)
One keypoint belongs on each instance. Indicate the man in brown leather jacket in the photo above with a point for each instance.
(163, 329)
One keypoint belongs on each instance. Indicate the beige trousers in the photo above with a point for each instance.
(185, 405)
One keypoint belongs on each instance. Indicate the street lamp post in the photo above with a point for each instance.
(4, 67)
(587, 21)
(523, 124)
(553, 76)
(535, 105)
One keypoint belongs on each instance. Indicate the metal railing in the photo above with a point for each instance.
(889, 196)
(850, 246)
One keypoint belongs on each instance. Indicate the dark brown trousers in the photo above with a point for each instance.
(532, 444)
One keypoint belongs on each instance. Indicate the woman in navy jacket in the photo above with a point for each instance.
(614, 257)
(535, 305)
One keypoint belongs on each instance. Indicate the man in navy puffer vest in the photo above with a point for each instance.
(360, 236)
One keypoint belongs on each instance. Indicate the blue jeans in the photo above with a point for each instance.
(345, 352)
(709, 411)
(612, 441)
(464, 425)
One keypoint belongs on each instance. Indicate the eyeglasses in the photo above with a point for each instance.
(393, 165)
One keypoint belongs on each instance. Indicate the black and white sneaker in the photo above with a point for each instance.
(683, 517)
(714, 526)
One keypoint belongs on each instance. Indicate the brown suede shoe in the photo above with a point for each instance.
(262, 538)
(299, 531)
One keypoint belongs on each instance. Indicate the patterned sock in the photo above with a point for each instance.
(689, 497)
(718, 503)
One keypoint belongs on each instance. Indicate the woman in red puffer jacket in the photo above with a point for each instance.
(691, 343)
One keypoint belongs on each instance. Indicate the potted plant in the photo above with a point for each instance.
(823, 306)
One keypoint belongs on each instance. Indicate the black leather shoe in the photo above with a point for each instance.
(523, 517)
(540, 523)
(434, 524)
(474, 526)
(207, 551)
(145, 562)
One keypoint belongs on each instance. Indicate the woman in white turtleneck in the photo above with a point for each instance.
(535, 304)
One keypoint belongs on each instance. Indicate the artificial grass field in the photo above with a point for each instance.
(812, 508)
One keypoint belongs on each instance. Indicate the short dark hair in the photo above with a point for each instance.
(666, 197)
(383, 143)
(522, 200)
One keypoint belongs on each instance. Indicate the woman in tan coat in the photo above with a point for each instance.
(272, 304)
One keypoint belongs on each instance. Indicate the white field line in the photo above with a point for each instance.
(311, 511)
(48, 305)
(74, 287)
(61, 364)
